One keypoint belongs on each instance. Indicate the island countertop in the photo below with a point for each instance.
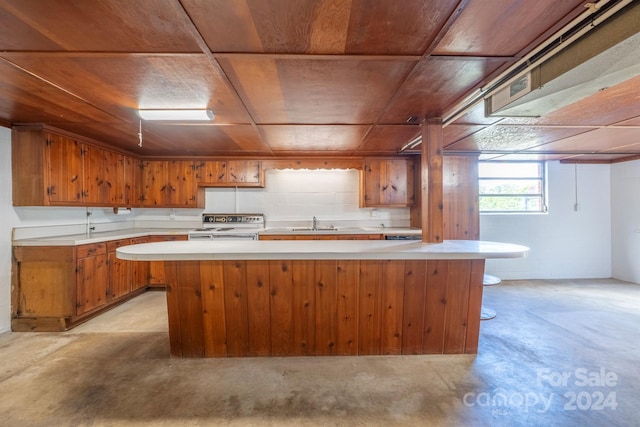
(319, 249)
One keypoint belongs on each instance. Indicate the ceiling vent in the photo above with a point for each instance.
(604, 57)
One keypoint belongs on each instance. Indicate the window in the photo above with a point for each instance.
(517, 187)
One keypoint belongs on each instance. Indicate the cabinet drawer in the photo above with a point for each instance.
(115, 244)
(84, 251)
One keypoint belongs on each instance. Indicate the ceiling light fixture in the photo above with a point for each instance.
(177, 115)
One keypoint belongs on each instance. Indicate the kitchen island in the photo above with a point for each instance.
(290, 298)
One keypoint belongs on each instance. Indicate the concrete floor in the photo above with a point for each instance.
(559, 353)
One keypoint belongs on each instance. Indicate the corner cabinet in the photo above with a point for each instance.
(54, 169)
(388, 182)
(56, 287)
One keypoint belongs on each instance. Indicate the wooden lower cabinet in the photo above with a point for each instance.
(57, 287)
(156, 268)
(322, 237)
(323, 307)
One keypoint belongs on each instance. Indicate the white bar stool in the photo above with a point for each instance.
(487, 313)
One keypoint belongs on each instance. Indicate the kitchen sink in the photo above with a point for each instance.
(332, 228)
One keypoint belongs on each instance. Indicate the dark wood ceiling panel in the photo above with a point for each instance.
(120, 84)
(454, 133)
(598, 140)
(513, 138)
(389, 139)
(396, 27)
(26, 99)
(435, 85)
(505, 27)
(319, 26)
(207, 140)
(314, 138)
(475, 115)
(308, 91)
(113, 26)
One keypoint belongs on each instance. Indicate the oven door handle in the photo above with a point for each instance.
(200, 237)
(245, 236)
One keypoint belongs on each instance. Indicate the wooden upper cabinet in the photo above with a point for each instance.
(388, 182)
(170, 183)
(64, 183)
(230, 173)
(55, 169)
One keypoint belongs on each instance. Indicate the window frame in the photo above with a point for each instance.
(543, 187)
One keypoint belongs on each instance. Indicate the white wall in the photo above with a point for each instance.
(9, 219)
(564, 243)
(625, 221)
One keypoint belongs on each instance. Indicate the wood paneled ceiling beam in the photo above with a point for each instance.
(195, 33)
(462, 4)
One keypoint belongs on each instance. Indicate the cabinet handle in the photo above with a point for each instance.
(51, 191)
(394, 188)
(384, 187)
(74, 178)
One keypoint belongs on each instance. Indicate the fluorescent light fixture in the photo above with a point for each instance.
(176, 115)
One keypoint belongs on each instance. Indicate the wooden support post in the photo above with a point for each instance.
(432, 184)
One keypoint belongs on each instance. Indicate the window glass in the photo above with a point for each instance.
(512, 187)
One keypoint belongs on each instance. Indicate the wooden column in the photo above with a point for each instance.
(432, 187)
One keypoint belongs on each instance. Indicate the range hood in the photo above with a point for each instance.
(604, 57)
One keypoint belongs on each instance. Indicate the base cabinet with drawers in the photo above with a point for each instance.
(57, 287)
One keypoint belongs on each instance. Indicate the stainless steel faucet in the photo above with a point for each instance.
(314, 224)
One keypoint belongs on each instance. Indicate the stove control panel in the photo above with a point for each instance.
(256, 220)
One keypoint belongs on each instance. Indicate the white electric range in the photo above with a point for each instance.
(221, 226)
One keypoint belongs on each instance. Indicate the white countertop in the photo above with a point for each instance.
(318, 249)
(84, 239)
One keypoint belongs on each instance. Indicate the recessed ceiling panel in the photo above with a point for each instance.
(122, 84)
(389, 138)
(95, 26)
(308, 91)
(314, 138)
(320, 27)
(505, 27)
(435, 85)
(597, 140)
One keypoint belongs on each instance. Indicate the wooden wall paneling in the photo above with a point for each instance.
(347, 279)
(435, 306)
(304, 309)
(393, 285)
(326, 289)
(369, 310)
(173, 307)
(461, 218)
(281, 275)
(431, 167)
(455, 331)
(259, 308)
(191, 311)
(415, 287)
(475, 306)
(213, 302)
(236, 308)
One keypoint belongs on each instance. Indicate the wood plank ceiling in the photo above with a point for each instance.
(297, 77)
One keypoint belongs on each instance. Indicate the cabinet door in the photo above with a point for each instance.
(139, 269)
(388, 182)
(92, 282)
(244, 172)
(181, 189)
(154, 182)
(64, 170)
(103, 174)
(212, 172)
(120, 271)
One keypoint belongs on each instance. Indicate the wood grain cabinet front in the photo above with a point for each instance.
(230, 173)
(170, 183)
(56, 169)
(56, 287)
(388, 183)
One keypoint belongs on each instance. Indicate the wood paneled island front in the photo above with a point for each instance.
(295, 298)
